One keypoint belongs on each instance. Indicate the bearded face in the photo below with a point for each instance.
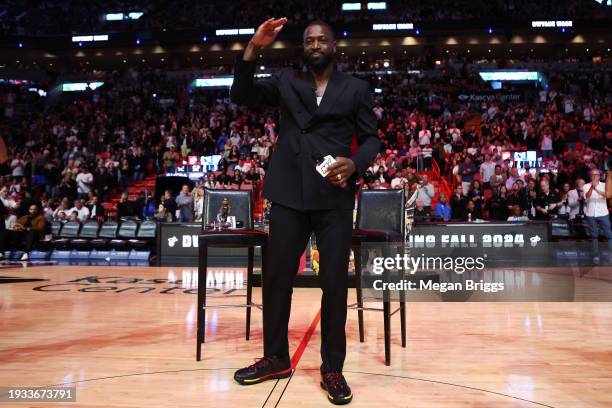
(319, 46)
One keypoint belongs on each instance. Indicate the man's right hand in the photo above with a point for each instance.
(267, 31)
(266, 34)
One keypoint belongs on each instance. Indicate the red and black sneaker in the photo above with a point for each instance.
(338, 391)
(265, 368)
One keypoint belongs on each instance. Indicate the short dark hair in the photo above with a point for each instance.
(322, 24)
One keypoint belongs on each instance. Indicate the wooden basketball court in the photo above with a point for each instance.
(125, 337)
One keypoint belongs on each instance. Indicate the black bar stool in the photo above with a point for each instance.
(244, 237)
(380, 219)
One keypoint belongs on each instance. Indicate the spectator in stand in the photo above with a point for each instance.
(124, 174)
(497, 206)
(487, 171)
(498, 178)
(238, 178)
(382, 176)
(421, 213)
(80, 209)
(96, 211)
(149, 209)
(233, 156)
(170, 207)
(597, 214)
(139, 165)
(426, 192)
(184, 203)
(171, 157)
(458, 204)
(564, 209)
(516, 196)
(48, 207)
(18, 166)
(211, 181)
(471, 213)
(125, 207)
(476, 195)
(245, 163)
(28, 230)
(547, 202)
(62, 210)
(139, 204)
(162, 215)
(85, 181)
(517, 214)
(442, 208)
(424, 135)
(253, 175)
(399, 180)
(576, 200)
(8, 203)
(529, 195)
(198, 204)
(467, 170)
(514, 176)
(26, 202)
(224, 178)
(68, 187)
(546, 144)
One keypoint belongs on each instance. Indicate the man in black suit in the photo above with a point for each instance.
(320, 112)
(96, 211)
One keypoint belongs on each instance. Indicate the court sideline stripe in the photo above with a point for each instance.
(297, 355)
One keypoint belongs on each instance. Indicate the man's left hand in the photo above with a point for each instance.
(344, 168)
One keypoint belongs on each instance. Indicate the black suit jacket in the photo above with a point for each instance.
(308, 131)
(99, 210)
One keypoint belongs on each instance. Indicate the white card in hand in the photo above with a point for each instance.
(322, 167)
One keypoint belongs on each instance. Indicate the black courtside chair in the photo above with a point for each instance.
(56, 227)
(380, 219)
(107, 232)
(89, 231)
(127, 231)
(68, 232)
(47, 244)
(244, 237)
(145, 236)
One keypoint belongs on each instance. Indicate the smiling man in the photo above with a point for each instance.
(321, 110)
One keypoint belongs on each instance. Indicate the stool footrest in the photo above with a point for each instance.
(258, 306)
(371, 309)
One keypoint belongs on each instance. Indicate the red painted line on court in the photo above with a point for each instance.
(297, 355)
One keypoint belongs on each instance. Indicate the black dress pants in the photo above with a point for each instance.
(289, 233)
(23, 240)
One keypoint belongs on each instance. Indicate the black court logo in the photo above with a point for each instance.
(221, 283)
(13, 279)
